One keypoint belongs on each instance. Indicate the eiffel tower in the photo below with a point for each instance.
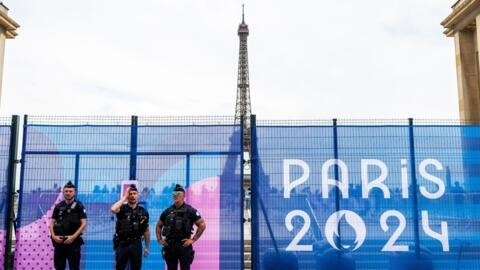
(242, 116)
(242, 107)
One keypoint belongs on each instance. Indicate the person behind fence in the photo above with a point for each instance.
(69, 219)
(130, 228)
(174, 231)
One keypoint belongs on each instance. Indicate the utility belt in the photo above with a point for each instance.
(129, 239)
(117, 240)
(174, 241)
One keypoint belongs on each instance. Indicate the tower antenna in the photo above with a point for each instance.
(243, 13)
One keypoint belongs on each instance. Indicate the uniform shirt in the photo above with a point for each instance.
(68, 216)
(131, 223)
(192, 215)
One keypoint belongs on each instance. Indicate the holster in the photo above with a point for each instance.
(116, 241)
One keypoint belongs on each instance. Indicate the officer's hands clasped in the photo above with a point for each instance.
(61, 239)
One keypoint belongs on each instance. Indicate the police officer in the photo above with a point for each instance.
(130, 228)
(69, 219)
(174, 230)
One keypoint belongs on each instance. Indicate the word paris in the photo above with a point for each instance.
(351, 218)
(367, 166)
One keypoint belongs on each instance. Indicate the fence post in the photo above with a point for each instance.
(421, 257)
(254, 177)
(133, 147)
(336, 173)
(10, 221)
(413, 174)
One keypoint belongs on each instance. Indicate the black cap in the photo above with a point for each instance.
(179, 188)
(69, 185)
(133, 187)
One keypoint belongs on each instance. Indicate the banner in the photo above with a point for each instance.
(5, 137)
(366, 197)
(205, 159)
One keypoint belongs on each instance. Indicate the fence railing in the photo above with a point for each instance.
(367, 192)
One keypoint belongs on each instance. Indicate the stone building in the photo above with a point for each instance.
(463, 25)
(8, 29)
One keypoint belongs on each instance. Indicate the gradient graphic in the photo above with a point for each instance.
(204, 159)
(35, 251)
(366, 197)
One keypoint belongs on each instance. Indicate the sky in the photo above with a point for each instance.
(308, 59)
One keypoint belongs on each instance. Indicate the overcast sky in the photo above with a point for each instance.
(308, 59)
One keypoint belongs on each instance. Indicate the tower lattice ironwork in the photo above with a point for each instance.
(243, 107)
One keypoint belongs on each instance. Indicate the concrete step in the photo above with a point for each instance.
(248, 265)
(247, 254)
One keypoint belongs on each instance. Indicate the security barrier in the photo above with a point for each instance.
(7, 160)
(325, 194)
(336, 195)
(100, 154)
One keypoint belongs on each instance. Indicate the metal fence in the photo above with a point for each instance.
(98, 154)
(379, 195)
(326, 194)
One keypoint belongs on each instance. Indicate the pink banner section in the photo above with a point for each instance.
(3, 238)
(34, 249)
(205, 197)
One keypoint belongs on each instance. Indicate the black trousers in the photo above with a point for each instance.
(129, 251)
(63, 253)
(175, 253)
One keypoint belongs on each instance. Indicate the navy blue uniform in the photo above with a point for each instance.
(178, 225)
(129, 229)
(67, 221)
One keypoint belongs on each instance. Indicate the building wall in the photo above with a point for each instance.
(463, 25)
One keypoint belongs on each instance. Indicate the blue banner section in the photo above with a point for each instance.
(5, 136)
(5, 133)
(205, 159)
(366, 197)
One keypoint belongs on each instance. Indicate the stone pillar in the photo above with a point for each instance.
(467, 76)
(8, 29)
(463, 25)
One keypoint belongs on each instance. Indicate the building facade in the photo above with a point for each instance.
(8, 28)
(463, 24)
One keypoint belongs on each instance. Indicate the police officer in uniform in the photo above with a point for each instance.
(174, 231)
(130, 228)
(69, 219)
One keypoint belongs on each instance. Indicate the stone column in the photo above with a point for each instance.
(463, 25)
(467, 75)
(8, 29)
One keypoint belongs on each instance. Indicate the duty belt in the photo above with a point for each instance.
(129, 239)
(174, 241)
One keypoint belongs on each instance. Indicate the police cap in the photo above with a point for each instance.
(179, 188)
(133, 187)
(69, 185)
